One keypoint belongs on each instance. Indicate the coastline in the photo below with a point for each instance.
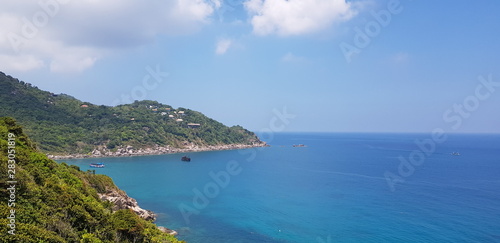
(157, 150)
(119, 198)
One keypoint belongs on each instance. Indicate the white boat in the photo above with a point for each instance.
(97, 165)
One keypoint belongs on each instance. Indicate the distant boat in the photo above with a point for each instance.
(185, 159)
(455, 154)
(97, 165)
(299, 145)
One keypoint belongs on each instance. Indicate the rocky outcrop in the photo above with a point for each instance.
(120, 200)
(131, 151)
(168, 231)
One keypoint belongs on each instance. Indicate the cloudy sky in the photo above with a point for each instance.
(284, 65)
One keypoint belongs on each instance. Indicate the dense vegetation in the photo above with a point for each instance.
(61, 124)
(59, 203)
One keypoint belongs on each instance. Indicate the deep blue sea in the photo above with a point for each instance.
(333, 190)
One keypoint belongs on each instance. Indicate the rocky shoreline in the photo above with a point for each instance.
(121, 200)
(157, 150)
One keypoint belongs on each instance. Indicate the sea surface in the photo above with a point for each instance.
(338, 188)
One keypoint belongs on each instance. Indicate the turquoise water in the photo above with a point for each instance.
(333, 190)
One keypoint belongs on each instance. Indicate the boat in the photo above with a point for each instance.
(299, 145)
(455, 154)
(97, 165)
(185, 159)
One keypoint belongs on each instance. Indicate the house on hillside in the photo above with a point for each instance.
(193, 125)
(84, 106)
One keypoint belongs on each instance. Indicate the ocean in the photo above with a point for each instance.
(339, 187)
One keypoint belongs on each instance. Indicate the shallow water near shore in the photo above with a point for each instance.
(332, 190)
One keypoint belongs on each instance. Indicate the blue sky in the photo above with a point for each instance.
(409, 66)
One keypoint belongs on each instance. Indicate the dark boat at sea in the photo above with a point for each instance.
(97, 165)
(185, 159)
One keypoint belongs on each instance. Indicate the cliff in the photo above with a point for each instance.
(44, 201)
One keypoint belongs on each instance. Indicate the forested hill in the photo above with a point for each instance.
(45, 201)
(62, 124)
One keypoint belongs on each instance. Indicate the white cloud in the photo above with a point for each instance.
(296, 17)
(217, 3)
(190, 13)
(289, 57)
(19, 63)
(75, 60)
(73, 35)
(222, 46)
(72, 64)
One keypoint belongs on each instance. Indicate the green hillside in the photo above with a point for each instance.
(51, 202)
(61, 124)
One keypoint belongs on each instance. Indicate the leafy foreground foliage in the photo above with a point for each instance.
(59, 203)
(61, 124)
